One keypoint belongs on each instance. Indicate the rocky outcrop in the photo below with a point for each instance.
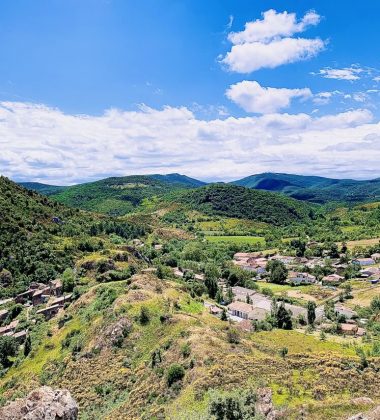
(43, 403)
(370, 415)
(264, 405)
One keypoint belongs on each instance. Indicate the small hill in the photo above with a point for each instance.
(120, 195)
(239, 202)
(44, 189)
(313, 188)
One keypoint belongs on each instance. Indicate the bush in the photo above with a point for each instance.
(233, 336)
(186, 350)
(144, 316)
(174, 374)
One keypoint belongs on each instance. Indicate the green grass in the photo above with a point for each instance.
(252, 240)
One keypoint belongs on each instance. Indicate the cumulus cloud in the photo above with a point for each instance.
(268, 42)
(44, 144)
(252, 97)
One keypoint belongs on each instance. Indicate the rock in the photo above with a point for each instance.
(264, 405)
(114, 334)
(362, 401)
(371, 415)
(43, 403)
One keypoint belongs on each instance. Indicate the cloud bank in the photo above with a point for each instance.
(44, 144)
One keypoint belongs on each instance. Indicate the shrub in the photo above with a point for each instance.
(174, 374)
(144, 316)
(186, 350)
(233, 336)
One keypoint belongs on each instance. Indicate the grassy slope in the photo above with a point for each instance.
(315, 189)
(323, 376)
(42, 188)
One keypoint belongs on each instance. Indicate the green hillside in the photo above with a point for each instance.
(40, 238)
(244, 203)
(313, 188)
(44, 189)
(121, 195)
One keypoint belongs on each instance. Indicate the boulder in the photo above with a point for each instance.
(264, 405)
(43, 403)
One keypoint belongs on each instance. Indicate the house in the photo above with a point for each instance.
(177, 272)
(199, 277)
(62, 300)
(369, 272)
(9, 329)
(348, 329)
(287, 260)
(40, 296)
(49, 312)
(333, 279)
(245, 325)
(150, 270)
(240, 309)
(215, 310)
(241, 293)
(340, 309)
(363, 261)
(376, 256)
(3, 314)
(158, 247)
(296, 310)
(25, 296)
(258, 314)
(56, 288)
(20, 336)
(300, 278)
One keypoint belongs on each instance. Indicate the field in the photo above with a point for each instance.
(362, 243)
(251, 240)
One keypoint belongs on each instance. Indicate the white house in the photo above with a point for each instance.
(301, 278)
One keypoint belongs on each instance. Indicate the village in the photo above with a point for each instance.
(48, 300)
(249, 307)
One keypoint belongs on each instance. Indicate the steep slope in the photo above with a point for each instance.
(121, 195)
(245, 203)
(39, 238)
(313, 188)
(116, 364)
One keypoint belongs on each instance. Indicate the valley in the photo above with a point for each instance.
(163, 297)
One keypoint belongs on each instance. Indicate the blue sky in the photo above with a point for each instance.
(93, 88)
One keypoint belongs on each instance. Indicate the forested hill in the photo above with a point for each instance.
(39, 238)
(120, 195)
(234, 201)
(44, 189)
(314, 188)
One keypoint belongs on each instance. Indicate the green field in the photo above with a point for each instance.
(237, 239)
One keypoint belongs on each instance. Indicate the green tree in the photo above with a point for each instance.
(8, 348)
(27, 345)
(311, 306)
(278, 271)
(174, 374)
(68, 280)
(283, 317)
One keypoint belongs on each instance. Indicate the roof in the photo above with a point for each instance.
(48, 309)
(20, 334)
(9, 327)
(245, 325)
(348, 327)
(240, 306)
(238, 290)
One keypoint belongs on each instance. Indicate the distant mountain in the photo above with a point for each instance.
(239, 202)
(44, 189)
(120, 195)
(314, 188)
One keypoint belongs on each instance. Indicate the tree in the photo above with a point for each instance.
(283, 352)
(68, 280)
(8, 348)
(311, 306)
(223, 316)
(284, 319)
(144, 316)
(278, 272)
(27, 345)
(174, 374)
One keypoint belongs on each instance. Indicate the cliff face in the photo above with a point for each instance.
(42, 404)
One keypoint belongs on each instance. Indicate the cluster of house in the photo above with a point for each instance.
(257, 263)
(249, 305)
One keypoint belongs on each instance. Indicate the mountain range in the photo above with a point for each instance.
(120, 195)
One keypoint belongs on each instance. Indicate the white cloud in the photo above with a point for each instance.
(268, 43)
(252, 97)
(44, 144)
(348, 73)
